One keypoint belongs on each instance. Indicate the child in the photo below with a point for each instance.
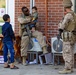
(8, 37)
(34, 15)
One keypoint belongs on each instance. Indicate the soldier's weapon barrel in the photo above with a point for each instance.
(27, 26)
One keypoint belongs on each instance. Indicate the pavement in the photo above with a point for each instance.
(34, 70)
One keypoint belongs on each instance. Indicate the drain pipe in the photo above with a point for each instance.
(46, 21)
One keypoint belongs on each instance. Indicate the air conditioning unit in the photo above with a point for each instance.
(56, 45)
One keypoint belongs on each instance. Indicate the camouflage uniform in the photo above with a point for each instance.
(25, 40)
(68, 54)
(39, 36)
(22, 32)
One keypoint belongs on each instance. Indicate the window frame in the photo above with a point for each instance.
(32, 3)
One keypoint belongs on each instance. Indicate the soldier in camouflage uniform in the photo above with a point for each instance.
(23, 20)
(66, 26)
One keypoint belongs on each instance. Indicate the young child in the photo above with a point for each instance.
(34, 16)
(8, 37)
(34, 13)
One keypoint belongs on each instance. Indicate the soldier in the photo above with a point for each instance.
(23, 20)
(67, 26)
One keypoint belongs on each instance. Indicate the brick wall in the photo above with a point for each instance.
(18, 5)
(55, 13)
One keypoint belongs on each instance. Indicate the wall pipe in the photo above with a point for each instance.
(46, 21)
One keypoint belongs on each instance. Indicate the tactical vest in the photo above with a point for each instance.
(67, 35)
(71, 24)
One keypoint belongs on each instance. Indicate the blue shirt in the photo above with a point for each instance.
(7, 32)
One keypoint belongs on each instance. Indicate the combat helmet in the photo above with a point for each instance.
(67, 3)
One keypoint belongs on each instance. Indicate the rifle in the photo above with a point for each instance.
(27, 26)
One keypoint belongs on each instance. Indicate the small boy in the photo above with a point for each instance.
(34, 13)
(8, 37)
(34, 16)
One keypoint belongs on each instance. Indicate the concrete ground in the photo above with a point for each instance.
(34, 70)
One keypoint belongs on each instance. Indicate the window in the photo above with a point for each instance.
(7, 7)
(32, 3)
(2, 10)
(75, 5)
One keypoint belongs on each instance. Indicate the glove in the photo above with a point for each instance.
(60, 31)
(59, 35)
(74, 32)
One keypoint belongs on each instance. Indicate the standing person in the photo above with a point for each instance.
(8, 38)
(24, 19)
(67, 26)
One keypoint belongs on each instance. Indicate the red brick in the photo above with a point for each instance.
(55, 13)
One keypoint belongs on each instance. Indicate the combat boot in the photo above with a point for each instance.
(44, 49)
(24, 61)
(65, 71)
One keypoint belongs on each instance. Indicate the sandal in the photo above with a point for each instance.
(7, 66)
(15, 67)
